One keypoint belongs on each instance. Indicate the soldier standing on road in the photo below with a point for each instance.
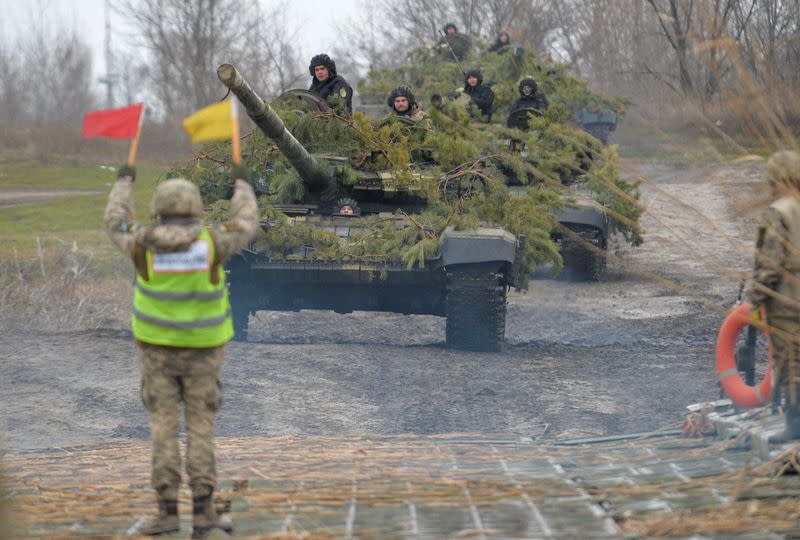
(480, 94)
(776, 279)
(403, 103)
(181, 321)
(326, 83)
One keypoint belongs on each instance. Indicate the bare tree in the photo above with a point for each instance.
(417, 22)
(676, 18)
(186, 41)
(276, 39)
(11, 103)
(47, 74)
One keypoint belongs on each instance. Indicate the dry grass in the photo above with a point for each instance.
(61, 288)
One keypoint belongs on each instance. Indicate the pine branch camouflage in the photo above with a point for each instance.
(459, 173)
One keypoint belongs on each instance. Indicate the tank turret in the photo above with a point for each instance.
(316, 176)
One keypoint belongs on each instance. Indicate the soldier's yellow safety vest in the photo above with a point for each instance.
(178, 305)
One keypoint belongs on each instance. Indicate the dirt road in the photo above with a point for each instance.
(583, 359)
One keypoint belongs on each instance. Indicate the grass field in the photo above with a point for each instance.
(64, 219)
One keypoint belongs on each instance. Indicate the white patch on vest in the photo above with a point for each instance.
(196, 258)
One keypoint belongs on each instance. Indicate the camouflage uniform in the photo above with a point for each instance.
(173, 374)
(776, 278)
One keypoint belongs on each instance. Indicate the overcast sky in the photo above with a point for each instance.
(316, 20)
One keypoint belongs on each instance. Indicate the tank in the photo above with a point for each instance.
(584, 225)
(591, 213)
(465, 279)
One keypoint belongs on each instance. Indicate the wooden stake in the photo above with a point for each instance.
(135, 141)
(236, 143)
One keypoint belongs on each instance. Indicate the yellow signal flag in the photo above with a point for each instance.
(212, 123)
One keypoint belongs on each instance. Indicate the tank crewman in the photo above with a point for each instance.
(452, 43)
(775, 284)
(403, 103)
(481, 96)
(326, 83)
(450, 30)
(530, 97)
(181, 321)
(501, 44)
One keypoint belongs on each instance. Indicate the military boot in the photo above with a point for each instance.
(205, 518)
(166, 522)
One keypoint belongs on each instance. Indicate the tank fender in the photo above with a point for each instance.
(584, 214)
(484, 244)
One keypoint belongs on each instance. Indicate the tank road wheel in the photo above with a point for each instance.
(584, 253)
(476, 310)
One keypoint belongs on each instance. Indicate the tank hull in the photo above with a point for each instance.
(466, 283)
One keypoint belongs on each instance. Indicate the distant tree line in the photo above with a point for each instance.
(46, 76)
(661, 53)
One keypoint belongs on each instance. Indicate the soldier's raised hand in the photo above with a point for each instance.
(240, 172)
(127, 171)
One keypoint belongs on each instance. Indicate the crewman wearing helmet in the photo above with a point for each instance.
(403, 103)
(181, 321)
(327, 84)
(481, 95)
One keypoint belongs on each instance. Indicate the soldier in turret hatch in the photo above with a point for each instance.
(481, 96)
(327, 84)
(403, 103)
(530, 97)
(501, 44)
(449, 30)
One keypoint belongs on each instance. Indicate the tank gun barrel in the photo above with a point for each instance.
(268, 121)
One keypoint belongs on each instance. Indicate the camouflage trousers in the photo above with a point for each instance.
(172, 375)
(785, 339)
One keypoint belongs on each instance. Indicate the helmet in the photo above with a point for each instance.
(322, 60)
(474, 73)
(177, 197)
(401, 90)
(449, 25)
(784, 168)
(528, 81)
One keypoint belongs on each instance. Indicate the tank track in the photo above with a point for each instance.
(587, 263)
(476, 310)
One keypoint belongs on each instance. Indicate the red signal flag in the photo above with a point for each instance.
(122, 123)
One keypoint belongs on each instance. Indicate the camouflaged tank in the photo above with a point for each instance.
(466, 281)
(584, 225)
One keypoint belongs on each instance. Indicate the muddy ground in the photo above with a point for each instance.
(583, 359)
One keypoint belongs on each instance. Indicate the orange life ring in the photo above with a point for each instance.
(741, 393)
